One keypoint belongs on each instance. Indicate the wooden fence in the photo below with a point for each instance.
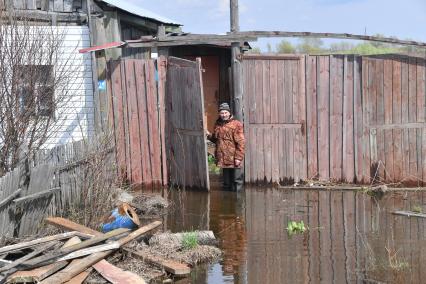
(335, 117)
(57, 178)
(136, 114)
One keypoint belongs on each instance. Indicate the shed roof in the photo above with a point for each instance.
(137, 10)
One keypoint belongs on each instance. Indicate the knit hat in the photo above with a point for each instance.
(224, 106)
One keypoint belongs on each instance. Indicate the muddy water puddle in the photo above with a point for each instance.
(352, 237)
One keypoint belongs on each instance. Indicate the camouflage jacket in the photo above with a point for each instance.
(229, 139)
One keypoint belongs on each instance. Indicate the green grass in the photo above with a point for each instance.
(189, 240)
(212, 165)
(417, 209)
(294, 227)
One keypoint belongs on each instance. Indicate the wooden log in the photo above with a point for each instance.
(72, 270)
(117, 275)
(38, 274)
(37, 242)
(171, 266)
(70, 226)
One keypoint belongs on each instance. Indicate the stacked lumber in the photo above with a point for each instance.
(71, 256)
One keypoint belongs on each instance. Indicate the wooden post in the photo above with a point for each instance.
(97, 114)
(237, 95)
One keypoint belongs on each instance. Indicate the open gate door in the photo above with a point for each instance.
(187, 149)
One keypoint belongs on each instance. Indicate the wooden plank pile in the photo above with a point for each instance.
(71, 256)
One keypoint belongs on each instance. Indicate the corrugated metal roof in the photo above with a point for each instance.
(137, 10)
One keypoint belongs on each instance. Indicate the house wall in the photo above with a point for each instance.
(76, 119)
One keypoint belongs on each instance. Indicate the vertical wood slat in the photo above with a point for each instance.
(161, 65)
(380, 109)
(58, 5)
(336, 111)
(134, 134)
(117, 98)
(405, 118)
(302, 118)
(388, 114)
(126, 120)
(358, 120)
(143, 121)
(152, 106)
(311, 116)
(421, 117)
(31, 4)
(348, 159)
(412, 117)
(323, 88)
(365, 151)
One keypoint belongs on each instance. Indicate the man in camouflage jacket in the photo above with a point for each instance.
(228, 135)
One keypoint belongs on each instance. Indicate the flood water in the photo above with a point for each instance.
(353, 237)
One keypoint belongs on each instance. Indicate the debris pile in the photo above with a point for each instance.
(83, 255)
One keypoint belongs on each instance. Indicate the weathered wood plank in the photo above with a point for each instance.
(161, 65)
(326, 272)
(348, 158)
(143, 121)
(72, 270)
(66, 224)
(35, 242)
(412, 117)
(336, 111)
(116, 275)
(312, 125)
(135, 136)
(119, 134)
(154, 142)
(302, 118)
(366, 121)
(126, 120)
(58, 5)
(405, 118)
(323, 95)
(358, 120)
(380, 109)
(38, 274)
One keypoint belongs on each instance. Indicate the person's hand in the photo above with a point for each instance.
(237, 163)
(207, 132)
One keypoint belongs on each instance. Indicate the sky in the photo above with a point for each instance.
(404, 19)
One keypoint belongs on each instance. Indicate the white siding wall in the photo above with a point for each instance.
(75, 120)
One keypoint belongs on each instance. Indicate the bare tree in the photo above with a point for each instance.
(36, 70)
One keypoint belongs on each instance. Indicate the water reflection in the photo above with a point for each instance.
(353, 237)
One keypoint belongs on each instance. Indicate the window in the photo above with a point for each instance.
(34, 87)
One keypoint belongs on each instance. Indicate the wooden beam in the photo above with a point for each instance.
(28, 256)
(38, 274)
(328, 35)
(44, 16)
(398, 126)
(410, 214)
(87, 251)
(66, 224)
(8, 199)
(37, 242)
(117, 275)
(45, 259)
(40, 194)
(72, 270)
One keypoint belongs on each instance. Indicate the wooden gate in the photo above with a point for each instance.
(394, 111)
(187, 150)
(136, 115)
(274, 102)
(365, 118)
